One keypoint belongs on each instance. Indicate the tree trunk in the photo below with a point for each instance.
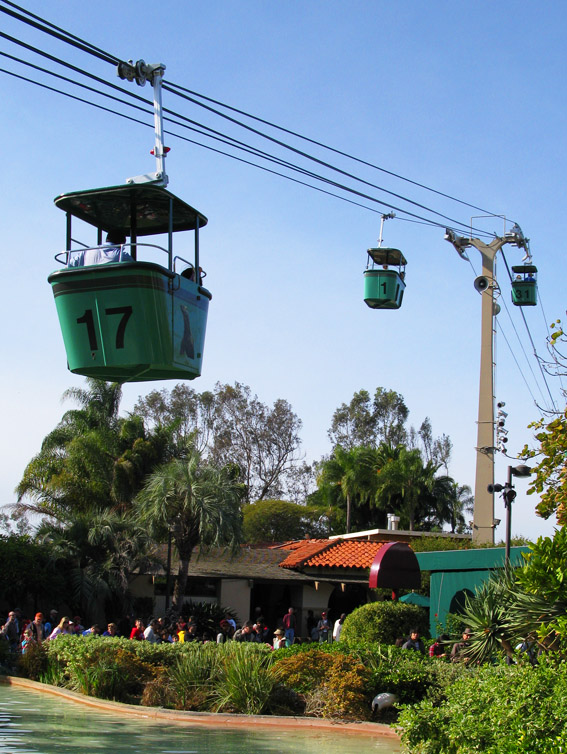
(181, 578)
(348, 514)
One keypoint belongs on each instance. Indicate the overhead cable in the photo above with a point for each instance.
(62, 35)
(57, 32)
(538, 359)
(258, 152)
(184, 138)
(330, 149)
(307, 156)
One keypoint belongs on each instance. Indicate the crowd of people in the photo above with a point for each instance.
(441, 647)
(22, 632)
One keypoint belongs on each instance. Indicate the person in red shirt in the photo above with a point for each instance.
(138, 631)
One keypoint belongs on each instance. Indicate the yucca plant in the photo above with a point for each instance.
(192, 676)
(245, 681)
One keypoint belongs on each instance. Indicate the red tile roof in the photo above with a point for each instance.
(332, 553)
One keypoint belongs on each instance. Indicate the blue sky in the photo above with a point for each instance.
(468, 98)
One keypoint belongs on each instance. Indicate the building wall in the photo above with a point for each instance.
(235, 593)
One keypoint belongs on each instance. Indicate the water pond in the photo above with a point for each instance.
(35, 723)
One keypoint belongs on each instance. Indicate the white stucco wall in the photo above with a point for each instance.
(235, 593)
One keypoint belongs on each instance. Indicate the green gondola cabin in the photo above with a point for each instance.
(130, 319)
(384, 281)
(524, 285)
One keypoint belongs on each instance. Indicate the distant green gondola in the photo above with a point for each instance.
(524, 285)
(131, 320)
(383, 286)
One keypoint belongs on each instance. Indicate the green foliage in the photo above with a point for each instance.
(347, 478)
(384, 622)
(437, 544)
(510, 709)
(95, 666)
(197, 502)
(410, 676)
(230, 425)
(488, 615)
(208, 616)
(33, 663)
(97, 550)
(276, 521)
(93, 458)
(549, 476)
(27, 569)
(530, 600)
(245, 682)
(192, 676)
(544, 570)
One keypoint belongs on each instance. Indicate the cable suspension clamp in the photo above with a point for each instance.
(140, 72)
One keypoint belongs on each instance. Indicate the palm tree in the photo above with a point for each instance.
(195, 501)
(352, 473)
(93, 459)
(405, 485)
(98, 551)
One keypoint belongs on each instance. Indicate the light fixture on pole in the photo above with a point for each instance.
(509, 495)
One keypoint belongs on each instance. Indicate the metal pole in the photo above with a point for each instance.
(483, 517)
(508, 505)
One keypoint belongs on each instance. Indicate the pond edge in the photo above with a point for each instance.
(207, 719)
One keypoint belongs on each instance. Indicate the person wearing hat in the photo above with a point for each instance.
(323, 627)
(52, 622)
(37, 628)
(459, 649)
(279, 639)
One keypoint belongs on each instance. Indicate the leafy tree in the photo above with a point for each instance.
(198, 503)
(353, 424)
(277, 521)
(550, 473)
(27, 573)
(230, 425)
(364, 423)
(449, 503)
(390, 414)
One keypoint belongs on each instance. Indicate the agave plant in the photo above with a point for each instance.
(489, 616)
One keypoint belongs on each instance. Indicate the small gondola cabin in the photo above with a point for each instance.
(524, 285)
(384, 282)
(122, 318)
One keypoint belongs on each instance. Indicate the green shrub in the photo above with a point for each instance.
(304, 671)
(105, 668)
(494, 709)
(33, 663)
(384, 622)
(245, 680)
(412, 677)
(192, 676)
